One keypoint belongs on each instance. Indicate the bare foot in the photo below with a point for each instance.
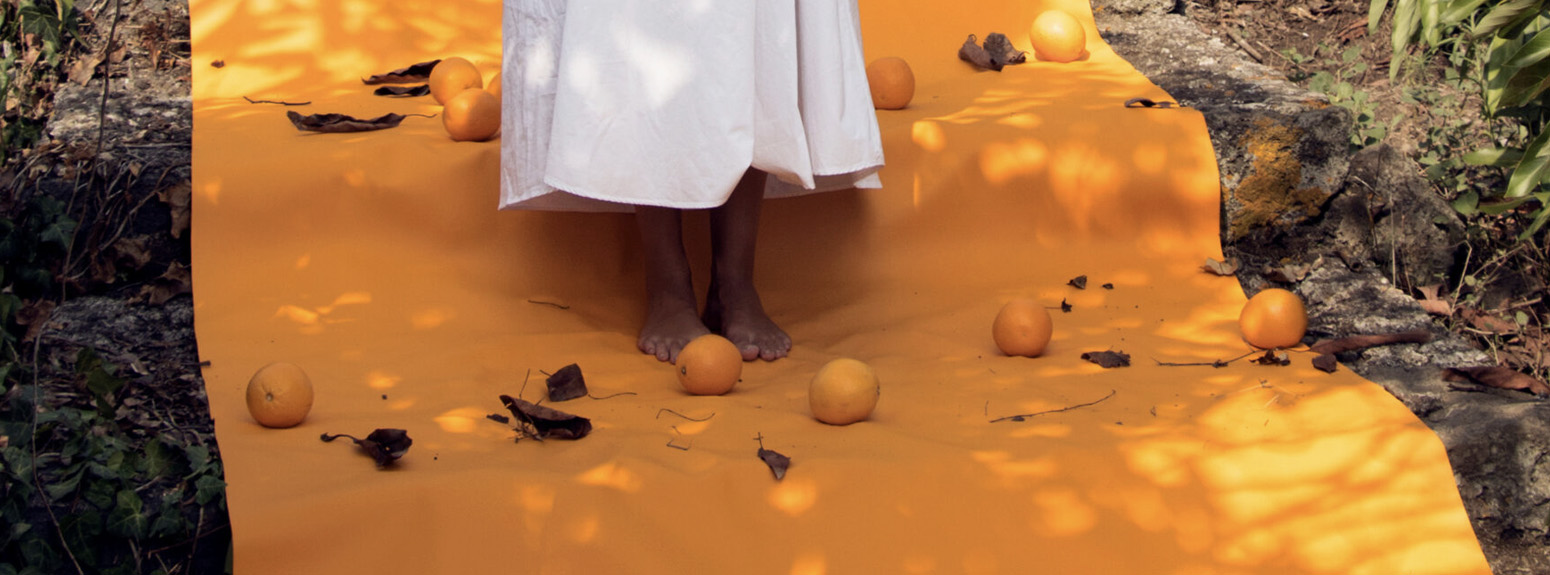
(735, 312)
(670, 325)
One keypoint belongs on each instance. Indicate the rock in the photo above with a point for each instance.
(1282, 151)
(1342, 302)
(1413, 234)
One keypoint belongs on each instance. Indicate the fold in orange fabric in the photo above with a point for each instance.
(378, 262)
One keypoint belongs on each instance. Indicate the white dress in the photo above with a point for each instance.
(613, 103)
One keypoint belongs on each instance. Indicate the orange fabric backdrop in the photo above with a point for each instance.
(379, 263)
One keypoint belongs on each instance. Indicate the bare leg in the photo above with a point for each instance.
(670, 309)
(732, 307)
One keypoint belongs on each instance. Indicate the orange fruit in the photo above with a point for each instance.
(451, 76)
(1273, 318)
(279, 395)
(1058, 37)
(843, 392)
(892, 83)
(472, 116)
(494, 88)
(709, 365)
(1022, 327)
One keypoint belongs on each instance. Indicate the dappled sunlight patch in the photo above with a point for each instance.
(1062, 513)
(794, 496)
(612, 475)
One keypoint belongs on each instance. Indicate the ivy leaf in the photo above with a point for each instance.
(128, 518)
(208, 488)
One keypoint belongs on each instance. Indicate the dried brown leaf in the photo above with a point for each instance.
(1432, 303)
(1078, 282)
(1108, 359)
(178, 197)
(1498, 377)
(547, 423)
(33, 315)
(340, 123)
(384, 445)
(176, 281)
(1289, 273)
(1359, 342)
(1226, 268)
(407, 75)
(567, 384)
(1274, 357)
(1002, 52)
(1488, 323)
(1326, 363)
(972, 53)
(778, 462)
(403, 91)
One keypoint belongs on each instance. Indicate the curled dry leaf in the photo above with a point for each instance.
(1001, 51)
(1108, 359)
(178, 197)
(176, 281)
(1108, 286)
(1289, 273)
(403, 91)
(545, 423)
(406, 75)
(1326, 363)
(1078, 282)
(567, 384)
(1064, 306)
(340, 123)
(778, 463)
(1274, 357)
(1226, 268)
(1498, 377)
(1359, 342)
(1432, 303)
(33, 315)
(972, 53)
(1488, 323)
(384, 445)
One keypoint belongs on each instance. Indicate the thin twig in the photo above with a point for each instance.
(673, 443)
(48, 506)
(1067, 408)
(612, 396)
(1245, 46)
(280, 102)
(1217, 363)
(706, 418)
(548, 303)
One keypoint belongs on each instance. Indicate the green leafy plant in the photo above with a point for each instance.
(39, 35)
(74, 480)
(1509, 40)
